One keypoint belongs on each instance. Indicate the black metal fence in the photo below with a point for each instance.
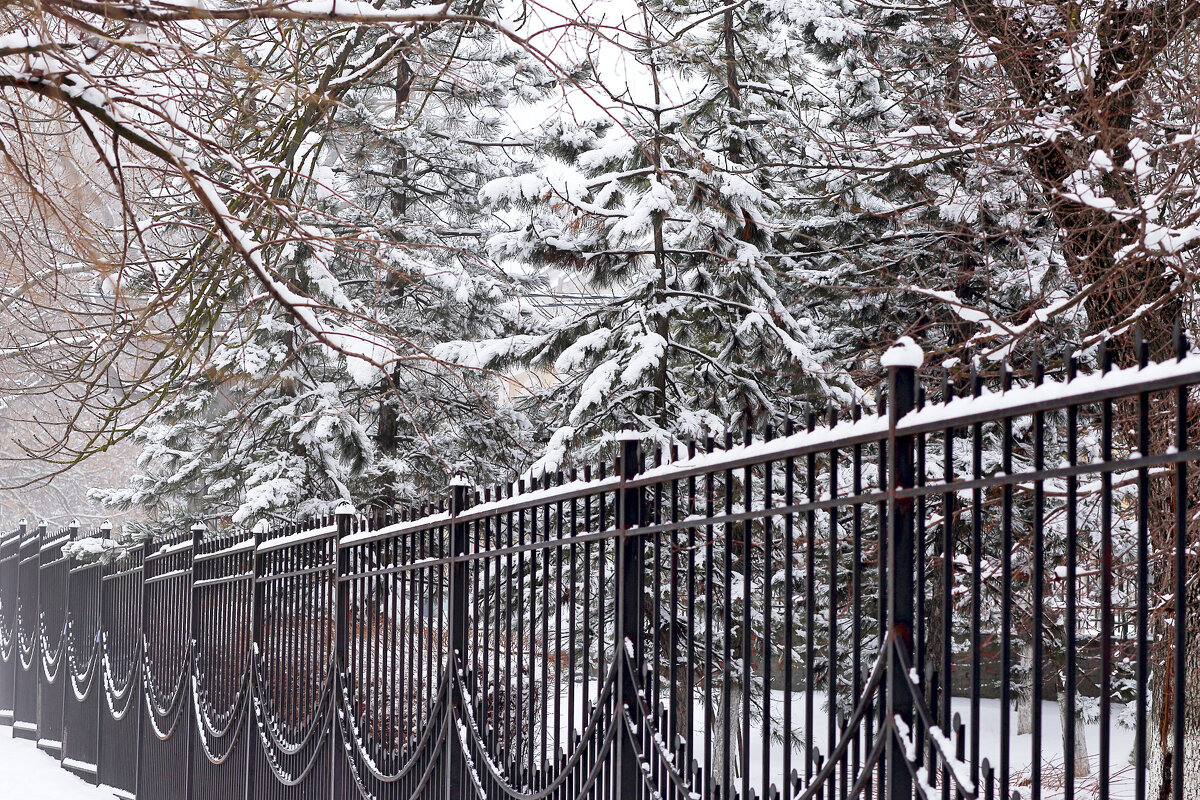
(879, 606)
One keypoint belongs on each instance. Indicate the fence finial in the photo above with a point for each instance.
(904, 353)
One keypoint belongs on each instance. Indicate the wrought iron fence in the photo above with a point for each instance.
(877, 606)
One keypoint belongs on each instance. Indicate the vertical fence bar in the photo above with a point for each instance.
(10, 544)
(1072, 554)
(256, 616)
(344, 517)
(455, 766)
(25, 636)
(1181, 545)
(105, 532)
(191, 728)
(51, 627)
(1038, 588)
(1006, 576)
(1106, 568)
(144, 710)
(628, 642)
(902, 384)
(72, 535)
(1142, 586)
(948, 537)
(25, 720)
(976, 632)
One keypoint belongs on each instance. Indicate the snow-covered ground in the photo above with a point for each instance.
(27, 773)
(1121, 746)
(1121, 785)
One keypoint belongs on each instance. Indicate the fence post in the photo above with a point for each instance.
(142, 712)
(193, 726)
(9, 580)
(72, 535)
(105, 531)
(902, 361)
(39, 648)
(455, 763)
(253, 746)
(630, 577)
(344, 519)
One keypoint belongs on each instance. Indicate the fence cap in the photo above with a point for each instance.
(628, 435)
(106, 525)
(198, 526)
(460, 479)
(344, 508)
(904, 353)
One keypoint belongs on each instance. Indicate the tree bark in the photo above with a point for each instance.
(1025, 689)
(1079, 759)
(1129, 41)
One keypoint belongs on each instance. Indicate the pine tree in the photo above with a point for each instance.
(667, 212)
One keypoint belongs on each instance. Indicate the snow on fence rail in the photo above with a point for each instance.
(925, 601)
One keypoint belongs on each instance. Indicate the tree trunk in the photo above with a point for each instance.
(1161, 733)
(732, 723)
(1078, 760)
(1025, 689)
(1129, 41)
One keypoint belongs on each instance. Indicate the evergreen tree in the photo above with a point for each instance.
(668, 211)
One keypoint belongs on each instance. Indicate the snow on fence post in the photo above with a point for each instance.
(455, 763)
(902, 361)
(630, 577)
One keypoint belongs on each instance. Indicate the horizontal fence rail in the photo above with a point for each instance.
(972, 591)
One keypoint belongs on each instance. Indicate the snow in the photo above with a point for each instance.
(1081, 390)
(299, 537)
(595, 388)
(904, 353)
(30, 774)
(649, 352)
(91, 546)
(842, 434)
(1121, 786)
(530, 499)
(178, 547)
(1020, 745)
(240, 547)
(398, 529)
